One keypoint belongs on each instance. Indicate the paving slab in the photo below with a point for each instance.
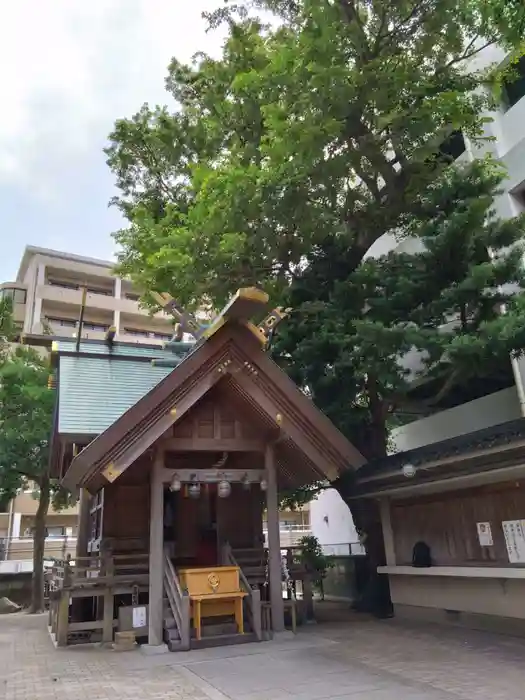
(354, 659)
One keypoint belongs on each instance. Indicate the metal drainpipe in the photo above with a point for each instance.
(518, 379)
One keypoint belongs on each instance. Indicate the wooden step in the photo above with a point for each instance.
(222, 640)
(171, 635)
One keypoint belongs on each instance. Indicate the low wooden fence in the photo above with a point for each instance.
(101, 579)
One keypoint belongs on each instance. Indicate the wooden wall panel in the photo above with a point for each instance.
(239, 517)
(127, 504)
(215, 417)
(447, 522)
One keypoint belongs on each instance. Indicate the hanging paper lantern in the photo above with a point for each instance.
(176, 483)
(264, 484)
(194, 489)
(224, 489)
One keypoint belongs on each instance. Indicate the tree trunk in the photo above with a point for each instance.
(39, 541)
(375, 596)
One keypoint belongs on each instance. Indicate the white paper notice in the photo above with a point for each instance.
(514, 531)
(139, 617)
(485, 534)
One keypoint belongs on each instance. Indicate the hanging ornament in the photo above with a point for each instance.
(176, 483)
(264, 484)
(224, 489)
(245, 481)
(194, 489)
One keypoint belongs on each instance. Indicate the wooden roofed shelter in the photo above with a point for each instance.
(199, 456)
(464, 498)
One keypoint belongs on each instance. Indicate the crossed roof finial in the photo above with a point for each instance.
(244, 303)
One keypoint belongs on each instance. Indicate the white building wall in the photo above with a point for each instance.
(331, 522)
(500, 407)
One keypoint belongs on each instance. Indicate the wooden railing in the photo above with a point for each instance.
(95, 577)
(179, 602)
(252, 601)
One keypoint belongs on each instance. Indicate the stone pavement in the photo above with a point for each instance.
(354, 659)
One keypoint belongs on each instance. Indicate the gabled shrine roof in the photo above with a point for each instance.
(308, 446)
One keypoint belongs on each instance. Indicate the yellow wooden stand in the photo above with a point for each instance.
(214, 592)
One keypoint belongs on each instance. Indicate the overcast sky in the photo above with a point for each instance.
(69, 68)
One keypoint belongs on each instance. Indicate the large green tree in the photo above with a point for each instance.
(26, 411)
(283, 161)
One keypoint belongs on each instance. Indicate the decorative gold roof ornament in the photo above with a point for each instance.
(242, 304)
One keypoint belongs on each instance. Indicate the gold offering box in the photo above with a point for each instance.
(210, 580)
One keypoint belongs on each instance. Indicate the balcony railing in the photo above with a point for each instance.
(16, 554)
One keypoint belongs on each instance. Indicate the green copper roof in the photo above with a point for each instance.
(93, 392)
(123, 349)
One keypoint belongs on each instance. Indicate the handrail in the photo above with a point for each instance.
(178, 600)
(253, 599)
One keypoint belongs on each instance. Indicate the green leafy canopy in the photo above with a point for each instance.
(26, 411)
(282, 162)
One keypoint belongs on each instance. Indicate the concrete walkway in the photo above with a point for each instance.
(355, 659)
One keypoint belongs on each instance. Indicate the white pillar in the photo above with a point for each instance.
(36, 325)
(118, 287)
(156, 553)
(17, 521)
(274, 543)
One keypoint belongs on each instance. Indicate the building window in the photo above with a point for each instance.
(55, 531)
(514, 87)
(162, 336)
(65, 322)
(137, 332)
(4, 504)
(453, 147)
(63, 285)
(98, 290)
(18, 296)
(519, 197)
(132, 297)
(101, 327)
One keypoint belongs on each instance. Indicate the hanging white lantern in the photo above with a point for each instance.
(245, 481)
(194, 489)
(176, 483)
(264, 484)
(224, 489)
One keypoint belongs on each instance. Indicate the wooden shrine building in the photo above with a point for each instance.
(176, 454)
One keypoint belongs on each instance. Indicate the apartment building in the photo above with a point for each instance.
(47, 296)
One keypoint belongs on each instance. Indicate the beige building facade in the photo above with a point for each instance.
(47, 297)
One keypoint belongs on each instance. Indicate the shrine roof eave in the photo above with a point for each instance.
(232, 352)
(460, 460)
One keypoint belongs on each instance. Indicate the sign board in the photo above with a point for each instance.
(485, 534)
(139, 617)
(514, 531)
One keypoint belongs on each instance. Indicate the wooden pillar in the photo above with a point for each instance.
(108, 572)
(84, 522)
(156, 553)
(274, 544)
(62, 623)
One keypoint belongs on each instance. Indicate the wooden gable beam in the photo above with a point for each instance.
(146, 439)
(286, 424)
